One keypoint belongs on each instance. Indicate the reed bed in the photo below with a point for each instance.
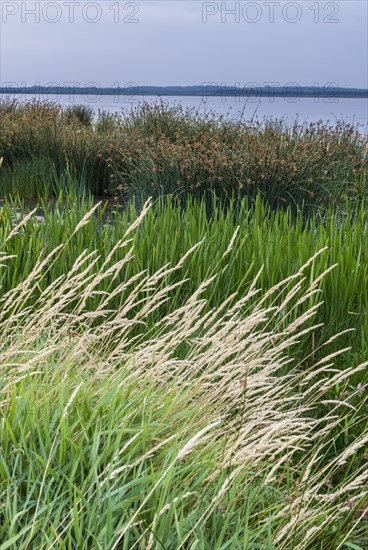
(156, 150)
(198, 431)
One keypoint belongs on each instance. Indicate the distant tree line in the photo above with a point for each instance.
(204, 90)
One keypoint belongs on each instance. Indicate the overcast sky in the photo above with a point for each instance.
(184, 42)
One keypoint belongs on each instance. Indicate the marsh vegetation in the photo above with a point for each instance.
(188, 371)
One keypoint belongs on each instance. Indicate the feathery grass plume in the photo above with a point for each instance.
(20, 225)
(86, 218)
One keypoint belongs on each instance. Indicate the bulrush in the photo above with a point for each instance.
(156, 150)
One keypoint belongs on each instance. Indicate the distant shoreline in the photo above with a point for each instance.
(199, 91)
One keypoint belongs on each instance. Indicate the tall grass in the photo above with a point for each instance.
(199, 432)
(277, 241)
(157, 150)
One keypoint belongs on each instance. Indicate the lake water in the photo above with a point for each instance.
(353, 111)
